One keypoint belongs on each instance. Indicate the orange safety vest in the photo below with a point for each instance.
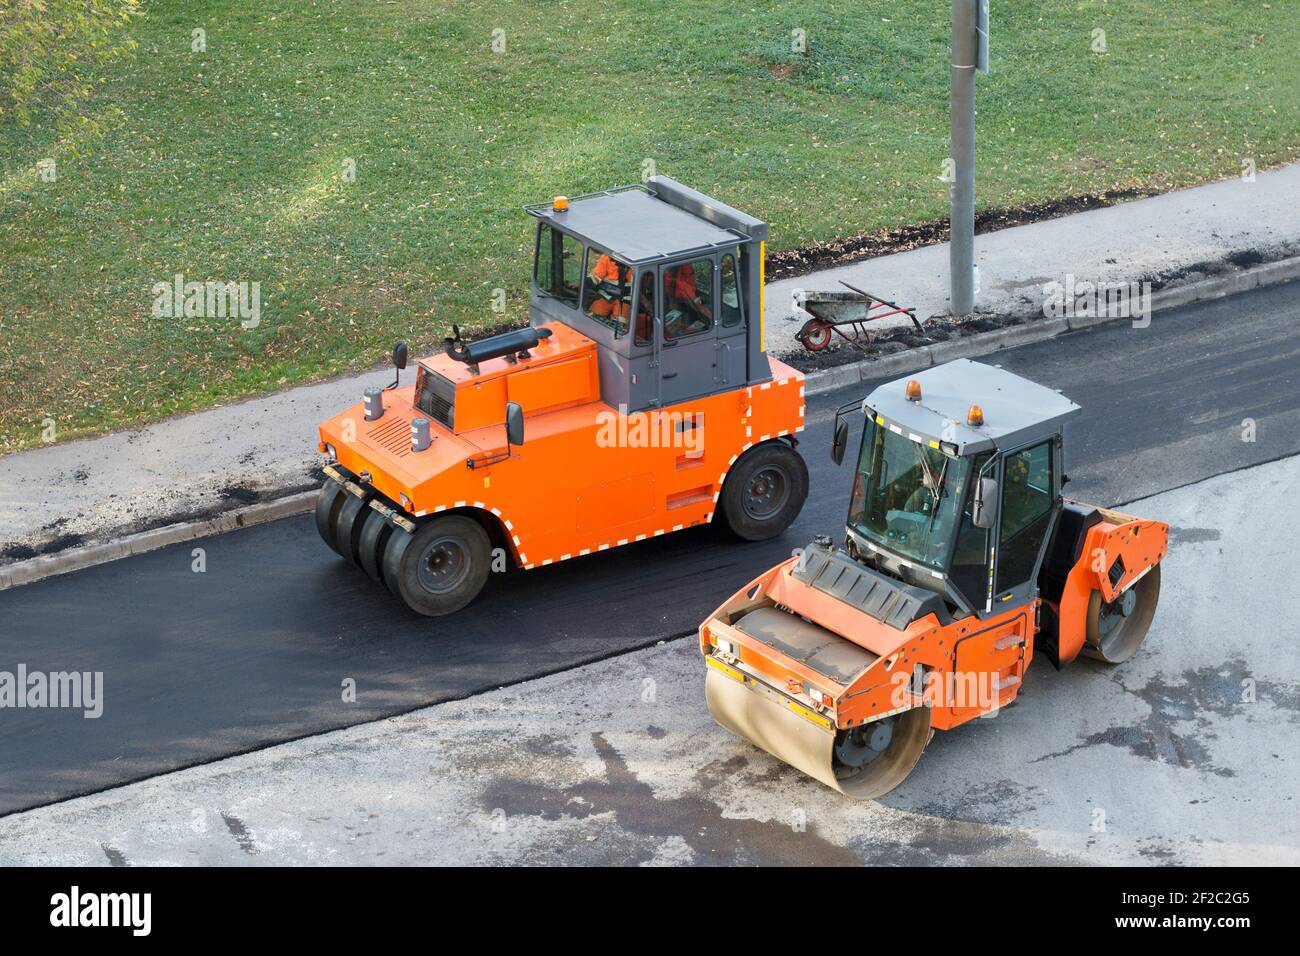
(607, 270)
(679, 282)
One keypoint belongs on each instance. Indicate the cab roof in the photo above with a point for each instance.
(1016, 410)
(636, 226)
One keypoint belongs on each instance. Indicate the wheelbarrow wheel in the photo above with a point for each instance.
(815, 335)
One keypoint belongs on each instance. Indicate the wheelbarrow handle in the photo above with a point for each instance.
(910, 313)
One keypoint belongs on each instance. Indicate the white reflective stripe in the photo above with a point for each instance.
(1138, 578)
(889, 713)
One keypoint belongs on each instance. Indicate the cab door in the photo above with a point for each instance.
(729, 370)
(1026, 513)
(686, 336)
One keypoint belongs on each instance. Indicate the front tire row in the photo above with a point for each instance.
(437, 570)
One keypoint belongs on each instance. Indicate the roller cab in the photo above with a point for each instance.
(844, 661)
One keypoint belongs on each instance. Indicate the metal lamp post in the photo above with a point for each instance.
(969, 53)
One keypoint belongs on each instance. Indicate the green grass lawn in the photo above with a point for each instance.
(227, 165)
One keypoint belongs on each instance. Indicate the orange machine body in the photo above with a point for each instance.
(970, 667)
(588, 476)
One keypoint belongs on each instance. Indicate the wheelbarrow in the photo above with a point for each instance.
(846, 314)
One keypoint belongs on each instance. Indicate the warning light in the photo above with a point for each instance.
(975, 417)
(560, 203)
(913, 390)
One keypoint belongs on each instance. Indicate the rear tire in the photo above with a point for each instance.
(764, 492)
(441, 568)
(328, 504)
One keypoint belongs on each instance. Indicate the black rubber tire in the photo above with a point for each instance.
(765, 466)
(328, 504)
(347, 530)
(453, 540)
(375, 534)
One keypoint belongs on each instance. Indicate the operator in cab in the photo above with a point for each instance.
(685, 311)
(610, 281)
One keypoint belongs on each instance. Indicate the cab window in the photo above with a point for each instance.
(1026, 512)
(645, 307)
(607, 292)
(688, 299)
(557, 270)
(969, 572)
(729, 308)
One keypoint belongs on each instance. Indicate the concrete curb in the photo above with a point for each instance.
(912, 360)
(76, 559)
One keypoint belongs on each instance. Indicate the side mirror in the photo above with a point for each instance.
(986, 494)
(514, 424)
(399, 356)
(839, 440)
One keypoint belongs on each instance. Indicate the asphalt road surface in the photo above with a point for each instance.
(255, 650)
